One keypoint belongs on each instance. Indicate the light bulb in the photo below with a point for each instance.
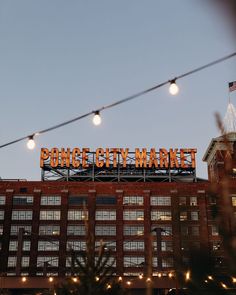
(97, 119)
(31, 143)
(173, 89)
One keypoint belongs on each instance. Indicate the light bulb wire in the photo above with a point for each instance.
(124, 100)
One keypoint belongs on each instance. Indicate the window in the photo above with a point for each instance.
(133, 230)
(25, 261)
(48, 245)
(49, 230)
(111, 245)
(105, 215)
(23, 200)
(165, 246)
(160, 201)
(1, 214)
(13, 245)
(184, 230)
(233, 201)
(212, 200)
(193, 201)
(133, 261)
(183, 216)
(11, 261)
(77, 200)
(182, 201)
(75, 230)
(68, 261)
(110, 262)
(160, 215)
(105, 200)
(50, 214)
(194, 215)
(105, 230)
(52, 260)
(22, 214)
(166, 230)
(195, 230)
(2, 200)
(75, 245)
(184, 245)
(1, 229)
(167, 262)
(216, 245)
(51, 200)
(196, 245)
(77, 214)
(133, 200)
(133, 215)
(133, 245)
(214, 230)
(15, 229)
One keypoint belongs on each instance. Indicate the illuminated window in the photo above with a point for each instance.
(105, 215)
(161, 215)
(167, 262)
(133, 245)
(77, 214)
(51, 200)
(22, 214)
(183, 216)
(134, 261)
(214, 230)
(194, 215)
(165, 246)
(1, 229)
(193, 201)
(233, 201)
(111, 245)
(133, 230)
(15, 229)
(25, 261)
(133, 215)
(11, 261)
(110, 262)
(48, 245)
(166, 230)
(50, 214)
(105, 230)
(160, 201)
(133, 200)
(23, 200)
(49, 230)
(52, 260)
(76, 245)
(1, 214)
(75, 230)
(2, 200)
(13, 245)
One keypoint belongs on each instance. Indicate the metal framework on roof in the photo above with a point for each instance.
(117, 173)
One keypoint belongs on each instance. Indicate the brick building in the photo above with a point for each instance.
(141, 220)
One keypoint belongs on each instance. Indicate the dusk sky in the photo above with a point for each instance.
(61, 59)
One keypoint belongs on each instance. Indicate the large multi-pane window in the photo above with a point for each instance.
(134, 261)
(15, 229)
(13, 245)
(110, 262)
(25, 261)
(194, 215)
(75, 245)
(234, 201)
(68, 260)
(193, 201)
(167, 262)
(22, 214)
(51, 200)
(1, 214)
(105, 230)
(133, 200)
(49, 230)
(133, 245)
(161, 201)
(77, 200)
(161, 215)
(48, 245)
(133, 215)
(11, 261)
(133, 230)
(111, 245)
(52, 260)
(165, 246)
(74, 214)
(105, 215)
(2, 200)
(50, 215)
(166, 230)
(100, 200)
(75, 230)
(23, 200)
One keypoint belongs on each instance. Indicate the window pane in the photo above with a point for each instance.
(51, 200)
(160, 201)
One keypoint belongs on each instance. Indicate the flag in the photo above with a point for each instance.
(232, 86)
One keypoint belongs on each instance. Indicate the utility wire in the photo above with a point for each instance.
(124, 100)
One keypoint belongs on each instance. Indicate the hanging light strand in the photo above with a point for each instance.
(124, 100)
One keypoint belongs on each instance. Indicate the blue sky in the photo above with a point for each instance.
(60, 59)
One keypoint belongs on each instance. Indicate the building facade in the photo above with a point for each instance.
(150, 227)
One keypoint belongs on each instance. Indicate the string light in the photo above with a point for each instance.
(173, 89)
(97, 118)
(23, 279)
(148, 280)
(187, 275)
(223, 286)
(120, 279)
(50, 279)
(128, 283)
(210, 278)
(140, 276)
(74, 279)
(31, 143)
(234, 279)
(129, 98)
